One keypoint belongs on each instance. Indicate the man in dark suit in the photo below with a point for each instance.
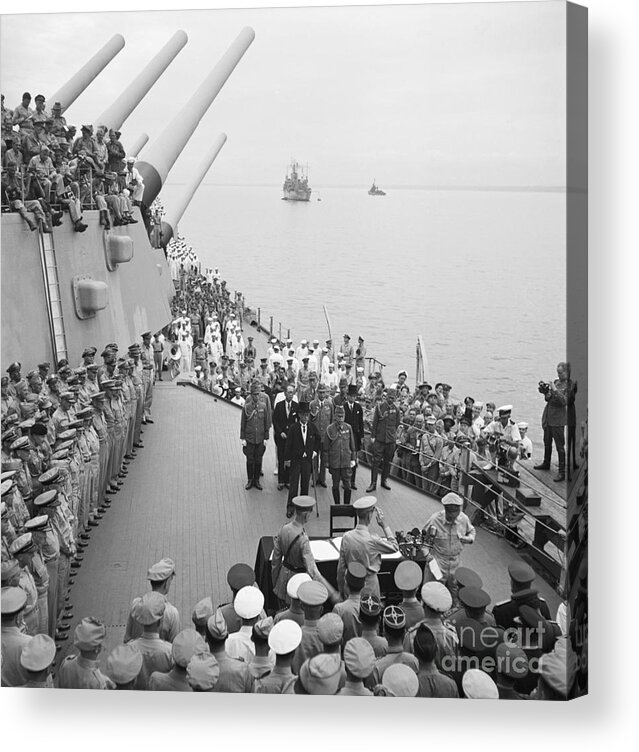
(355, 419)
(284, 415)
(302, 442)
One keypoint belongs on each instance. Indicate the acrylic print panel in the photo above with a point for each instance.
(329, 253)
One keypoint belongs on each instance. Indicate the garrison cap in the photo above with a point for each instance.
(370, 605)
(37, 523)
(330, 628)
(161, 571)
(466, 577)
(394, 617)
(511, 661)
(124, 663)
(292, 586)
(365, 502)
(47, 498)
(21, 543)
(558, 668)
(320, 674)
(359, 657)
(21, 444)
(185, 645)
(203, 672)
(356, 575)
(10, 568)
(216, 626)
(50, 476)
(436, 596)
(38, 653)
(312, 593)
(202, 611)
(400, 680)
(408, 575)
(478, 685)
(263, 627)
(149, 608)
(89, 634)
(521, 572)
(474, 597)
(424, 642)
(453, 499)
(240, 575)
(285, 637)
(303, 502)
(248, 602)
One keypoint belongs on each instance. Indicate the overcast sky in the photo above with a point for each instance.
(411, 95)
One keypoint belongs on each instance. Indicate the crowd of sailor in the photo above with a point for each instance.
(49, 169)
(68, 435)
(425, 645)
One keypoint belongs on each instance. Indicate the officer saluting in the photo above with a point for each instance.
(255, 425)
(365, 547)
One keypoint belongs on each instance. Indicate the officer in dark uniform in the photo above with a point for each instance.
(354, 416)
(255, 425)
(522, 577)
(386, 420)
(239, 575)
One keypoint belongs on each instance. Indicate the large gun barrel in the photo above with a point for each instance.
(161, 155)
(119, 111)
(175, 213)
(79, 82)
(137, 145)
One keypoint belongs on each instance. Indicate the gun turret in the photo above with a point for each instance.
(68, 93)
(175, 213)
(119, 111)
(163, 152)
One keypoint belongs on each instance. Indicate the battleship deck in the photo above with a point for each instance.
(184, 498)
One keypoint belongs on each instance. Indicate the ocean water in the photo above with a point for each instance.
(480, 275)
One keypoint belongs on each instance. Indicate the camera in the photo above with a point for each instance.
(544, 387)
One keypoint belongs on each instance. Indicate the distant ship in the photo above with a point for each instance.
(375, 191)
(296, 187)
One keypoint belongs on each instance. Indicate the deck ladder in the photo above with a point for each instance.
(54, 303)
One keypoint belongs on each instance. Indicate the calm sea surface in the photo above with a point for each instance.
(479, 274)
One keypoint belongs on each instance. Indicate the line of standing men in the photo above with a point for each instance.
(67, 439)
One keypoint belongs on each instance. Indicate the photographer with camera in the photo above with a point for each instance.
(557, 395)
(503, 439)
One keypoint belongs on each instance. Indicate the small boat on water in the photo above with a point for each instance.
(296, 187)
(375, 191)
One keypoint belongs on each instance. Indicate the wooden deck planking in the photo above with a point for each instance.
(184, 498)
